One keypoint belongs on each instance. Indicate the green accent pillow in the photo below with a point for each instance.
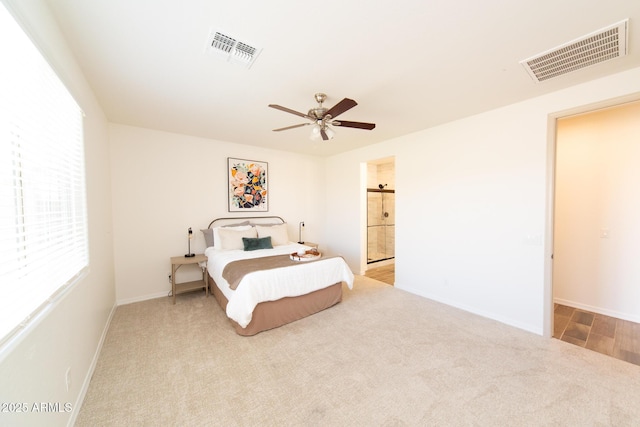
(252, 244)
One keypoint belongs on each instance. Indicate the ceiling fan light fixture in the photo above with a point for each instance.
(330, 133)
(315, 133)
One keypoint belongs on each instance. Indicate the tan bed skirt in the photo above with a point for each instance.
(272, 314)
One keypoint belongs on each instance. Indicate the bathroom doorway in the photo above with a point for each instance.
(381, 218)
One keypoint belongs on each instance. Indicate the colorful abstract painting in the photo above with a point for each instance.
(247, 185)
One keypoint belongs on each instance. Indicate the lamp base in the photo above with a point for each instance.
(302, 243)
(189, 255)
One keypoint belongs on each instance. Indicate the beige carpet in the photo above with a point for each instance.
(382, 357)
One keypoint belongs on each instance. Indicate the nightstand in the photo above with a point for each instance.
(180, 288)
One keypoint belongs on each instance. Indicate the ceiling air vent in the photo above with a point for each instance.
(600, 46)
(232, 49)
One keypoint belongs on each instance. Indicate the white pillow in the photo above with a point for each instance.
(278, 233)
(216, 233)
(231, 238)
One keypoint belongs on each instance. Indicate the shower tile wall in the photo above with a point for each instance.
(375, 235)
(382, 173)
(380, 240)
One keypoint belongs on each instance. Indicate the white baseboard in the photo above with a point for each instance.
(507, 321)
(599, 310)
(141, 298)
(92, 367)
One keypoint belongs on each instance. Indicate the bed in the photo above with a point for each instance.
(259, 287)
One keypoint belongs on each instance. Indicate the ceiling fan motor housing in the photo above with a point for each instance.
(317, 113)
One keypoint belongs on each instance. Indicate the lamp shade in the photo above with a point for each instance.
(330, 132)
(315, 132)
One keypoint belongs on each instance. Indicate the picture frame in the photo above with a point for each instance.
(248, 185)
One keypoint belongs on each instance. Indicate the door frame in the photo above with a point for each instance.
(552, 120)
(364, 265)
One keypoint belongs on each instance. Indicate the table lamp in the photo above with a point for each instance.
(300, 232)
(189, 239)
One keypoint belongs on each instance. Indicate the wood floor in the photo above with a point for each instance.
(608, 335)
(385, 274)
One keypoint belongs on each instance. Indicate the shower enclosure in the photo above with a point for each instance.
(380, 224)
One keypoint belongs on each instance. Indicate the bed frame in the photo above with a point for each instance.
(221, 222)
(272, 314)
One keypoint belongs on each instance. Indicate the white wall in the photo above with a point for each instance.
(597, 232)
(471, 205)
(164, 183)
(33, 367)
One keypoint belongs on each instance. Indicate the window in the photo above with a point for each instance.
(43, 221)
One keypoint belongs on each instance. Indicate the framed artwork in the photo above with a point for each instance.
(248, 185)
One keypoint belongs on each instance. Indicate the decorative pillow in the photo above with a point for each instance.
(231, 238)
(211, 233)
(216, 233)
(208, 236)
(252, 244)
(278, 233)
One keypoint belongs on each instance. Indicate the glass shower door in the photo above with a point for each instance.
(380, 225)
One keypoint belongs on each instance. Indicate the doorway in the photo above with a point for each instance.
(380, 217)
(595, 231)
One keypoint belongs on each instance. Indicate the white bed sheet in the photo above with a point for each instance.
(271, 285)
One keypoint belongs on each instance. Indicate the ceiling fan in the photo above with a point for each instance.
(321, 117)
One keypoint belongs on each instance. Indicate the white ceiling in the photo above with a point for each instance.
(409, 64)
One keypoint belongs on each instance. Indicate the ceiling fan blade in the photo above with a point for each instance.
(325, 137)
(292, 127)
(341, 107)
(359, 125)
(288, 110)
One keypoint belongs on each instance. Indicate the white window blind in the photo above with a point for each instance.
(43, 225)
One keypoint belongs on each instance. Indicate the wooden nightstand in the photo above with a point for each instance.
(180, 288)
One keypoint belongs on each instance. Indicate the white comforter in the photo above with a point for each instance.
(270, 285)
